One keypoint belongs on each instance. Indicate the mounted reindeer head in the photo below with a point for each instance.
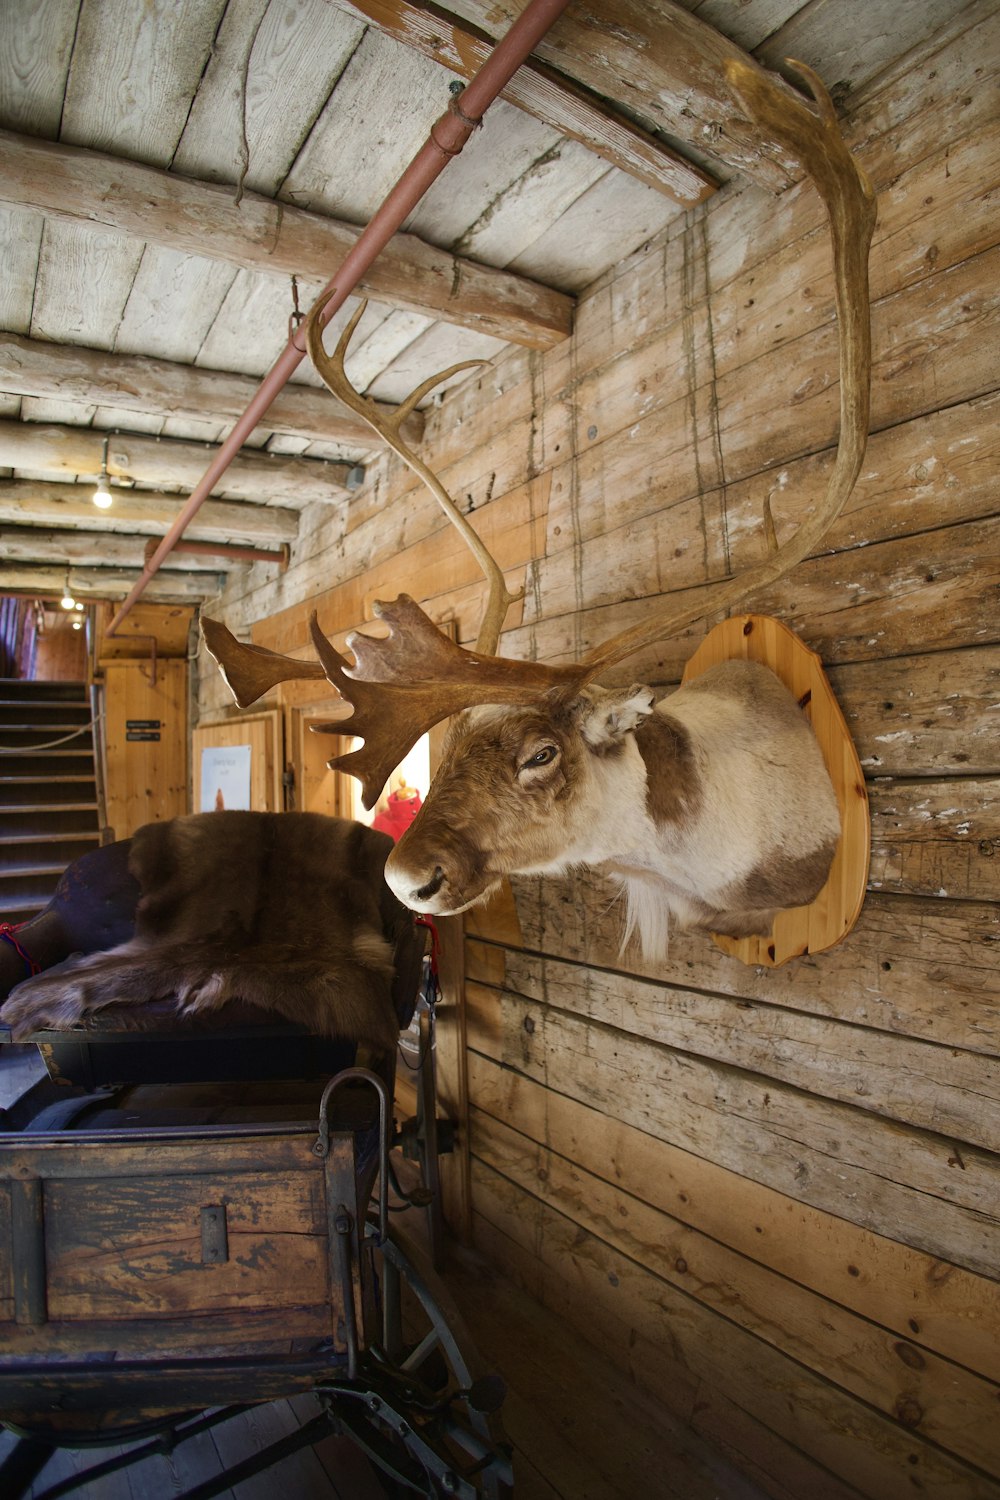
(714, 805)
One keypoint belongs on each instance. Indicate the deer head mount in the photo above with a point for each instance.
(560, 754)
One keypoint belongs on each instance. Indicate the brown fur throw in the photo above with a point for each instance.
(287, 912)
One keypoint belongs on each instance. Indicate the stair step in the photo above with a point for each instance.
(47, 791)
(28, 726)
(11, 753)
(38, 768)
(15, 915)
(60, 836)
(25, 872)
(27, 780)
(44, 717)
(75, 830)
(47, 807)
(31, 688)
(48, 801)
(35, 891)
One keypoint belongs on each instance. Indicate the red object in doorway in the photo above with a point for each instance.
(399, 812)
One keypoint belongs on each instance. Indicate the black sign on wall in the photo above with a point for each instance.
(142, 729)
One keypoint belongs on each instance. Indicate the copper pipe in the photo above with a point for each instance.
(233, 550)
(446, 139)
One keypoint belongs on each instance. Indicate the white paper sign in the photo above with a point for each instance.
(225, 778)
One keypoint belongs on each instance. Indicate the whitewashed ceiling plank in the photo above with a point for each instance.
(434, 350)
(48, 409)
(605, 224)
(10, 406)
(847, 56)
(166, 587)
(280, 442)
(134, 72)
(154, 205)
(36, 42)
(83, 284)
(173, 302)
(149, 512)
(297, 51)
(250, 327)
(59, 452)
(117, 418)
(93, 549)
(370, 355)
(376, 120)
(662, 66)
(334, 452)
(20, 245)
(545, 94)
(535, 203)
(383, 332)
(747, 23)
(496, 156)
(195, 432)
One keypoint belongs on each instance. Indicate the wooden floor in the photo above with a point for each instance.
(579, 1429)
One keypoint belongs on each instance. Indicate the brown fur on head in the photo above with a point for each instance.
(520, 789)
(712, 808)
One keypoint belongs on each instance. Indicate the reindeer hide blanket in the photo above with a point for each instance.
(286, 912)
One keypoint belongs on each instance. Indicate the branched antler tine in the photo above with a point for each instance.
(400, 686)
(331, 370)
(850, 203)
(250, 671)
(426, 386)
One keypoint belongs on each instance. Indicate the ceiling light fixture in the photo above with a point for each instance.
(67, 601)
(103, 497)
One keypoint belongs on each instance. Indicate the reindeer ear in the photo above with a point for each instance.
(606, 715)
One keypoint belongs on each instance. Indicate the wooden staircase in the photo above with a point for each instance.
(48, 796)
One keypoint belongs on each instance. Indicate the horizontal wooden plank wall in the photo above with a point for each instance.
(771, 1196)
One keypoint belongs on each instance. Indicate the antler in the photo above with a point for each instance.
(850, 205)
(440, 686)
(251, 670)
(466, 677)
(388, 426)
(401, 685)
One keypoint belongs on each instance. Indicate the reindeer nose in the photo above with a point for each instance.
(432, 887)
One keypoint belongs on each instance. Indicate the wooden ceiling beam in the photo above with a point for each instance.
(94, 549)
(169, 586)
(661, 64)
(31, 502)
(46, 448)
(259, 234)
(161, 387)
(547, 95)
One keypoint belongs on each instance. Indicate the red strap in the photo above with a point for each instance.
(7, 931)
(428, 922)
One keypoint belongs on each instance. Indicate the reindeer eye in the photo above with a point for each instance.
(541, 757)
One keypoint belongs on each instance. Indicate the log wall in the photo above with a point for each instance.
(770, 1196)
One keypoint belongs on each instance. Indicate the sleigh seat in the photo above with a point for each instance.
(194, 1201)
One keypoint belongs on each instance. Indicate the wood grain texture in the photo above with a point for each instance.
(129, 199)
(147, 780)
(549, 97)
(145, 512)
(683, 1354)
(657, 1150)
(667, 68)
(144, 384)
(884, 1281)
(62, 451)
